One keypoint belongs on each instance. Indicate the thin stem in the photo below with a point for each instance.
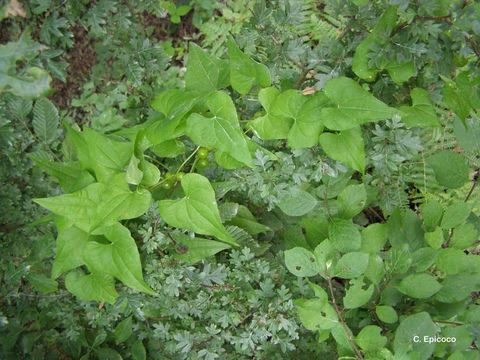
(346, 330)
(448, 322)
(187, 160)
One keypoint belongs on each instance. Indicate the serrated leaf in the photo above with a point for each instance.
(222, 131)
(45, 120)
(346, 147)
(197, 211)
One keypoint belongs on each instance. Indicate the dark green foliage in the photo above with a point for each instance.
(239, 179)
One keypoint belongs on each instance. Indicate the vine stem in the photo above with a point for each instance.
(358, 354)
(182, 165)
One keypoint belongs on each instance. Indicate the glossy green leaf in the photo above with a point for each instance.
(346, 146)
(100, 153)
(134, 175)
(197, 211)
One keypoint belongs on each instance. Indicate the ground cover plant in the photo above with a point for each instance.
(240, 179)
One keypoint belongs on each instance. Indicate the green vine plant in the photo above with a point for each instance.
(383, 282)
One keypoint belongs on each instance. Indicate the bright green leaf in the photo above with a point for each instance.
(222, 131)
(118, 258)
(346, 146)
(92, 287)
(197, 211)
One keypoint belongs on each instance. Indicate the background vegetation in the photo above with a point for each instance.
(347, 223)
